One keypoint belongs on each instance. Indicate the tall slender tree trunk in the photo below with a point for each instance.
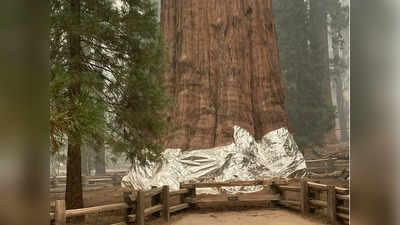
(73, 193)
(319, 45)
(319, 40)
(320, 53)
(225, 70)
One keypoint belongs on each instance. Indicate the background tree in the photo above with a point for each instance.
(303, 42)
(106, 62)
(338, 12)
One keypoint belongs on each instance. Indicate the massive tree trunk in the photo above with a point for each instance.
(225, 70)
(73, 193)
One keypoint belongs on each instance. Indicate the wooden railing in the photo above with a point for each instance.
(327, 165)
(309, 196)
(88, 181)
(312, 196)
(159, 198)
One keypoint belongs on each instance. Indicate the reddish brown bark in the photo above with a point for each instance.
(225, 70)
(73, 192)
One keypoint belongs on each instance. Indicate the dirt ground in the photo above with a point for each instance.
(250, 217)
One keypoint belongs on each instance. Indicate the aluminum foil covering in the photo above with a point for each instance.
(275, 155)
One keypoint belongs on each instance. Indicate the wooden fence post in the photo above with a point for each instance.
(164, 202)
(140, 205)
(59, 214)
(304, 201)
(332, 204)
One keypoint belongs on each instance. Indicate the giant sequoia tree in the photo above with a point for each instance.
(225, 70)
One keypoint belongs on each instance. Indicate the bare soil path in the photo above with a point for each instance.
(247, 217)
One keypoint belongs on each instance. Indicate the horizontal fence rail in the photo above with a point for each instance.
(327, 166)
(60, 181)
(159, 204)
(335, 200)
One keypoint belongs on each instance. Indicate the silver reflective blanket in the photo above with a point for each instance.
(276, 155)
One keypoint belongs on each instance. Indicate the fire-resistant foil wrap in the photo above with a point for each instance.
(275, 155)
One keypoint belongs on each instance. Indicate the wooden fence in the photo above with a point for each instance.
(135, 204)
(308, 197)
(328, 165)
(312, 196)
(87, 181)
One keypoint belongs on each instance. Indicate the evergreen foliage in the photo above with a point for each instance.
(121, 63)
(305, 73)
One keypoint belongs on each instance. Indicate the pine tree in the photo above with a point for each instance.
(106, 63)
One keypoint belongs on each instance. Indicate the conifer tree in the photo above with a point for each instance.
(302, 38)
(106, 63)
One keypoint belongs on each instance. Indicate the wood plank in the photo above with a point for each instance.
(290, 188)
(342, 208)
(188, 186)
(60, 217)
(343, 191)
(304, 199)
(241, 199)
(319, 203)
(153, 209)
(178, 207)
(179, 192)
(343, 216)
(289, 202)
(319, 160)
(317, 186)
(140, 204)
(96, 209)
(165, 203)
(332, 204)
(100, 180)
(229, 184)
(343, 197)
